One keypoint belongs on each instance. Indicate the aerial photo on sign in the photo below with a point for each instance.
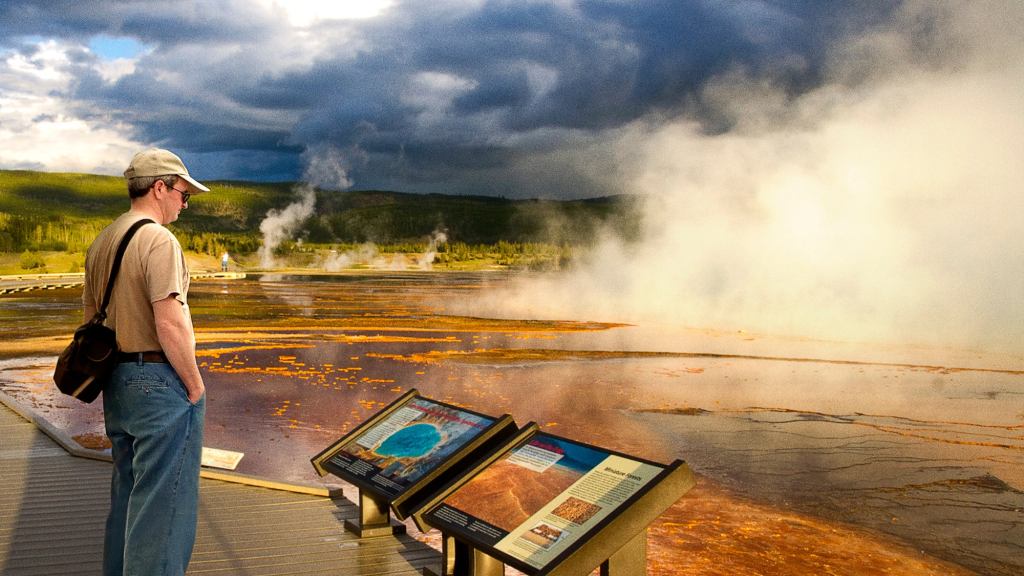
(543, 496)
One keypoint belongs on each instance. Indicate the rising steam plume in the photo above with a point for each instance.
(281, 225)
(368, 255)
(326, 168)
(887, 204)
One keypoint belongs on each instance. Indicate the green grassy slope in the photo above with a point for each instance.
(42, 211)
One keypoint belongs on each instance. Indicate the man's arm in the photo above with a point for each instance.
(178, 342)
(88, 310)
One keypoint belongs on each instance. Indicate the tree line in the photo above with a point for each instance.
(48, 212)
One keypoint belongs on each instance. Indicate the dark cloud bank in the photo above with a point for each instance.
(828, 169)
(438, 96)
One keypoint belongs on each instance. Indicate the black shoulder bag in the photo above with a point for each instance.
(83, 367)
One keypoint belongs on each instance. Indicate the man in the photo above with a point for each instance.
(154, 402)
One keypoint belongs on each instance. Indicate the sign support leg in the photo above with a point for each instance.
(486, 565)
(448, 551)
(460, 559)
(374, 518)
(630, 560)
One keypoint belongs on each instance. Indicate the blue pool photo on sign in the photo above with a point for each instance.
(411, 442)
(414, 439)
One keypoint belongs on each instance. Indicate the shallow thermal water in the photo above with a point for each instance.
(812, 457)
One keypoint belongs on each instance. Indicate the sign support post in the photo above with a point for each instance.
(481, 564)
(374, 517)
(448, 547)
(630, 560)
(461, 559)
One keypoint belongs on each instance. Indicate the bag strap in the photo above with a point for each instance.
(102, 313)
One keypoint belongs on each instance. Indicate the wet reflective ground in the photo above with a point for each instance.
(812, 457)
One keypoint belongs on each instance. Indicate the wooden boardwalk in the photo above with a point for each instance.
(53, 506)
(32, 282)
(14, 284)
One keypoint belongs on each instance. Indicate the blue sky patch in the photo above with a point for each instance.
(111, 48)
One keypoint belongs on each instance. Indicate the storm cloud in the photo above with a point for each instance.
(829, 169)
(446, 96)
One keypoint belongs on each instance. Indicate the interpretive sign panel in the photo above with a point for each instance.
(534, 504)
(408, 443)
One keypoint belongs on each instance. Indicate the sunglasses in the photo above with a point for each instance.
(184, 195)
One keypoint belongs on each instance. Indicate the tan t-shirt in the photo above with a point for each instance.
(153, 268)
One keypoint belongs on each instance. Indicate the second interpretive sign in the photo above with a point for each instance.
(536, 502)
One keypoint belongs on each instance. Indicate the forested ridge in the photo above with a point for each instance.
(62, 212)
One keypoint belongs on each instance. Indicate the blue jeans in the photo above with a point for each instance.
(157, 439)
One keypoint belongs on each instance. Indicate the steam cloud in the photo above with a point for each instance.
(426, 260)
(886, 204)
(281, 225)
(326, 168)
(368, 255)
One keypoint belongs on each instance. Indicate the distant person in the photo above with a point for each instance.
(224, 262)
(154, 403)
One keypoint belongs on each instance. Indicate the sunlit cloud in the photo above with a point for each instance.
(432, 94)
(305, 13)
(42, 128)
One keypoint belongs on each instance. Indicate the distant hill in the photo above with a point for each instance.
(392, 216)
(63, 212)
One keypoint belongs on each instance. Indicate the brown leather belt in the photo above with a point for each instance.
(155, 356)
